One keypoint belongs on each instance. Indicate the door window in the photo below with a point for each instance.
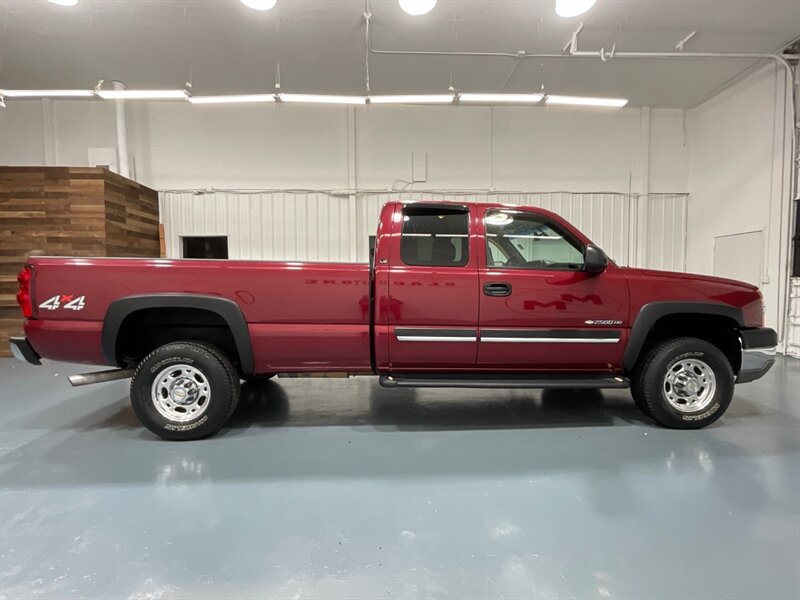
(529, 241)
(435, 236)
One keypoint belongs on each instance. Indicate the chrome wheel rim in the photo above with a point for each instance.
(181, 393)
(689, 385)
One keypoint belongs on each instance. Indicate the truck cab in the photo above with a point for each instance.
(487, 288)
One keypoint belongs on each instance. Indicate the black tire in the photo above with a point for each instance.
(638, 394)
(649, 388)
(211, 368)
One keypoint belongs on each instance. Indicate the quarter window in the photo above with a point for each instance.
(435, 236)
(528, 241)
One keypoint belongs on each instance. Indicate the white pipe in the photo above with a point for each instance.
(122, 134)
(679, 46)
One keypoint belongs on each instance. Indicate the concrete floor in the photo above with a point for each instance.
(334, 488)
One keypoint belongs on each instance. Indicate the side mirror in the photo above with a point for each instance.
(594, 259)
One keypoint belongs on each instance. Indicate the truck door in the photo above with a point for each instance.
(433, 288)
(538, 309)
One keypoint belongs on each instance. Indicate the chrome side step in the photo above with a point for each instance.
(100, 377)
(505, 381)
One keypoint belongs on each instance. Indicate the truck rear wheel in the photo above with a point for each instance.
(685, 383)
(185, 390)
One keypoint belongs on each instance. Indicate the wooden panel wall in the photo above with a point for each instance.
(131, 218)
(60, 211)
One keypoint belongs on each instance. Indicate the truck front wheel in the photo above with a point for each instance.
(184, 390)
(684, 383)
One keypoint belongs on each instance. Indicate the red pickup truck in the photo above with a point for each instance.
(457, 295)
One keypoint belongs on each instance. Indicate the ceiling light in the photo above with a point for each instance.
(47, 93)
(142, 94)
(259, 4)
(417, 7)
(573, 8)
(322, 99)
(64, 2)
(489, 98)
(231, 99)
(587, 101)
(413, 99)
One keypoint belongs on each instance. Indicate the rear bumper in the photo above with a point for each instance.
(23, 351)
(758, 353)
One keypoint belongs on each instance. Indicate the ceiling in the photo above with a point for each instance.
(223, 47)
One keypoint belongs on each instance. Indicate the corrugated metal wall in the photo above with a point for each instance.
(793, 335)
(336, 227)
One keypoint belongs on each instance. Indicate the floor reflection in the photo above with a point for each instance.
(267, 404)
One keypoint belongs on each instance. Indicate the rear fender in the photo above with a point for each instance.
(227, 309)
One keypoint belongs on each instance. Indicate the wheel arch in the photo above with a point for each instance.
(226, 309)
(652, 313)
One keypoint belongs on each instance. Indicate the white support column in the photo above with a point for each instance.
(352, 171)
(49, 132)
(352, 184)
(643, 187)
(122, 134)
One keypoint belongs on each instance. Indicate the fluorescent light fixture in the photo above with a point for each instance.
(490, 98)
(47, 93)
(573, 8)
(64, 2)
(417, 7)
(413, 99)
(322, 99)
(142, 94)
(259, 4)
(232, 99)
(587, 101)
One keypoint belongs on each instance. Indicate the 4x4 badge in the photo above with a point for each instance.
(70, 302)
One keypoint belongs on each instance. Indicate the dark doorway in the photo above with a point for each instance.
(213, 246)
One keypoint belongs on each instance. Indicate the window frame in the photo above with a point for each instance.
(565, 233)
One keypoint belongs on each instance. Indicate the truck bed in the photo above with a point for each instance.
(301, 316)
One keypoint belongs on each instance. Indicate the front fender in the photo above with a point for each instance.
(652, 312)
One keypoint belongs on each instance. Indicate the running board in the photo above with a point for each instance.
(505, 381)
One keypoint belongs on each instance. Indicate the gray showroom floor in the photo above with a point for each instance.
(334, 488)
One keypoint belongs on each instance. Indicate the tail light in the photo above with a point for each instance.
(24, 293)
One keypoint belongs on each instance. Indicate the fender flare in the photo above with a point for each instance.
(227, 309)
(652, 312)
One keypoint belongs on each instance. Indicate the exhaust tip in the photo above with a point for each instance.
(99, 377)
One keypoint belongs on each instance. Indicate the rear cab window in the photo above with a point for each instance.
(435, 236)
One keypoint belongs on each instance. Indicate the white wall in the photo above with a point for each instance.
(22, 134)
(255, 146)
(79, 126)
(336, 227)
(178, 145)
(738, 178)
